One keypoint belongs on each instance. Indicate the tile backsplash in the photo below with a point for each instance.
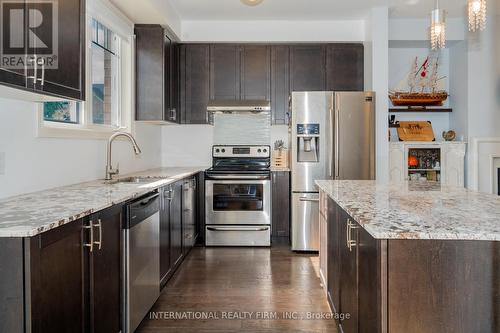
(242, 128)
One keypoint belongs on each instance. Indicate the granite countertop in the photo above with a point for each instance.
(33, 213)
(414, 210)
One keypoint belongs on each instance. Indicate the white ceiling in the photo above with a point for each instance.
(307, 9)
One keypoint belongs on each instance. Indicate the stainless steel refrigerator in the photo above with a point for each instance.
(332, 137)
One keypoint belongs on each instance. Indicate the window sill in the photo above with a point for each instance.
(76, 133)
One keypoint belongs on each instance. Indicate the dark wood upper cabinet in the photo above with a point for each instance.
(68, 79)
(105, 271)
(281, 204)
(194, 83)
(60, 63)
(225, 72)
(345, 67)
(156, 74)
(307, 68)
(255, 72)
(280, 84)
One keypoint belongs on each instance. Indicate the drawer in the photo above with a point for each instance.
(227, 235)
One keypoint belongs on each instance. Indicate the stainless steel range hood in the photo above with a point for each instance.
(245, 106)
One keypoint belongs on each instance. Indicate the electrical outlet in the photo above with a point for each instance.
(2, 163)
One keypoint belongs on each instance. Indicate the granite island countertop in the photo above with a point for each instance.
(414, 210)
(30, 214)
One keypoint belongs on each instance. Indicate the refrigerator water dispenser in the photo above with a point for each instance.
(308, 143)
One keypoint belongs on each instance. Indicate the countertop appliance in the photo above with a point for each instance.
(332, 137)
(142, 259)
(238, 196)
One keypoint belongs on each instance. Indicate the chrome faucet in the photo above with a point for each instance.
(110, 172)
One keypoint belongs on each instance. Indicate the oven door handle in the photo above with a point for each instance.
(308, 199)
(237, 229)
(238, 177)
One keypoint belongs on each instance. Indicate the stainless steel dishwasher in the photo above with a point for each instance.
(142, 259)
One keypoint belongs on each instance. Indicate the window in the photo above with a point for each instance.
(62, 112)
(101, 112)
(105, 76)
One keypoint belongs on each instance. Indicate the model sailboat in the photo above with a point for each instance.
(423, 86)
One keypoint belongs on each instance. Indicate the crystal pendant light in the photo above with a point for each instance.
(252, 2)
(438, 28)
(477, 15)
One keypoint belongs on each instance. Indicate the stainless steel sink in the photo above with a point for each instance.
(132, 180)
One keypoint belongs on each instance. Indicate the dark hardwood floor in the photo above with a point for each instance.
(248, 282)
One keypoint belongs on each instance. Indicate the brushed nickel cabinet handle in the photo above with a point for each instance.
(91, 244)
(99, 225)
(351, 242)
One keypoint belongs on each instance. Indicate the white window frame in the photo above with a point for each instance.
(108, 15)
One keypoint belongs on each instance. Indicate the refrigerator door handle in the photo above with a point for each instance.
(337, 136)
(330, 143)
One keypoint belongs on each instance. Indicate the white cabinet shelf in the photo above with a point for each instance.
(452, 161)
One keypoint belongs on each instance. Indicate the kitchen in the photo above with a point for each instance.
(188, 218)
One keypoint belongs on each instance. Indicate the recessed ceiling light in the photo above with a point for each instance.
(252, 2)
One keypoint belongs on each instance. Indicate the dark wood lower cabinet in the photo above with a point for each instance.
(412, 286)
(63, 284)
(58, 280)
(173, 247)
(105, 272)
(280, 204)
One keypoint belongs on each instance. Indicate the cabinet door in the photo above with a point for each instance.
(188, 214)
(369, 282)
(345, 67)
(106, 271)
(168, 55)
(175, 115)
(348, 274)
(175, 224)
(58, 269)
(194, 83)
(307, 71)
(281, 204)
(12, 72)
(67, 77)
(280, 84)
(334, 259)
(165, 266)
(224, 72)
(255, 72)
(150, 90)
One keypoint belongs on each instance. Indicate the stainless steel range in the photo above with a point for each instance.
(238, 196)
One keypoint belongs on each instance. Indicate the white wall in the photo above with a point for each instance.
(459, 88)
(418, 29)
(33, 163)
(379, 37)
(273, 31)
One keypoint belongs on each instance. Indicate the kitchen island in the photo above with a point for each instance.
(410, 257)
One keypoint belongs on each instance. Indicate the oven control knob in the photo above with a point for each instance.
(217, 150)
(259, 151)
(265, 150)
(223, 150)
